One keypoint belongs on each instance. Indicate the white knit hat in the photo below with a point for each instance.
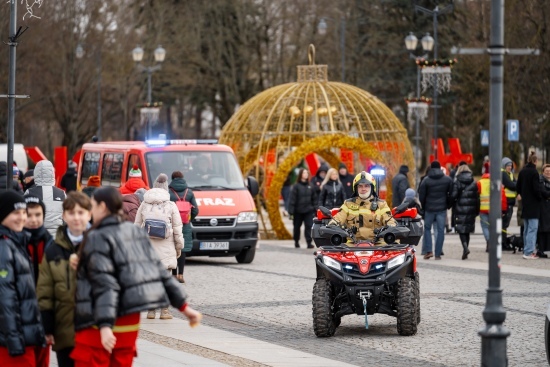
(135, 171)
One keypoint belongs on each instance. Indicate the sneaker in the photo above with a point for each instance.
(165, 314)
(533, 256)
(151, 314)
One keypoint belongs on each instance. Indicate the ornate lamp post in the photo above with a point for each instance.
(418, 108)
(137, 56)
(436, 72)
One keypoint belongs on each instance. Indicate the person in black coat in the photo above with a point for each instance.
(303, 201)
(4, 178)
(319, 177)
(68, 181)
(528, 186)
(332, 191)
(434, 195)
(544, 220)
(465, 196)
(118, 275)
(20, 321)
(346, 178)
(399, 184)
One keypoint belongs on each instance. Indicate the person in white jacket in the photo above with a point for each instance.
(157, 205)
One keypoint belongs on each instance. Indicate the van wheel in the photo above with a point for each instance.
(246, 256)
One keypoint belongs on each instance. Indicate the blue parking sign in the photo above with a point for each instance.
(484, 138)
(513, 130)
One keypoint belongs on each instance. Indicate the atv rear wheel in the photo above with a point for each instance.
(417, 291)
(246, 256)
(407, 318)
(324, 324)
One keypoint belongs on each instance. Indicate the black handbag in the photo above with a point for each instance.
(157, 229)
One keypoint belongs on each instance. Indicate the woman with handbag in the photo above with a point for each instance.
(179, 191)
(161, 219)
(118, 276)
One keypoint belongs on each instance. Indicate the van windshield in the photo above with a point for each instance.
(201, 170)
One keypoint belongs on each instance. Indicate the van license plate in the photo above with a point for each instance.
(214, 245)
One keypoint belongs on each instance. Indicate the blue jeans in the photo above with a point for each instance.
(285, 192)
(484, 221)
(437, 218)
(530, 235)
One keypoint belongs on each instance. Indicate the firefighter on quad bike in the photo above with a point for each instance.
(364, 210)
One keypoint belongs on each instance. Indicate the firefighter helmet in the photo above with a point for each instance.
(364, 178)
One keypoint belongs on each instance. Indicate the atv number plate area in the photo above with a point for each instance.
(214, 245)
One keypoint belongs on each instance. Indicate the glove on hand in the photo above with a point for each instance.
(332, 223)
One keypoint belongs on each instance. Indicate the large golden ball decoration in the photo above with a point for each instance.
(321, 143)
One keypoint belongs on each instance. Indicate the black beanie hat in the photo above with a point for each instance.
(9, 202)
(435, 164)
(29, 199)
(342, 165)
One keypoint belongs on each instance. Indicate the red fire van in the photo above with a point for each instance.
(227, 222)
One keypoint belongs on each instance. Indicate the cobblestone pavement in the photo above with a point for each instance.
(270, 300)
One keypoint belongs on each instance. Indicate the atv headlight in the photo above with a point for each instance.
(247, 217)
(396, 261)
(332, 263)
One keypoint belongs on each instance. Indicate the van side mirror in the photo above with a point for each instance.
(253, 186)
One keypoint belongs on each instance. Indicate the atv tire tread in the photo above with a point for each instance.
(323, 322)
(406, 307)
(417, 290)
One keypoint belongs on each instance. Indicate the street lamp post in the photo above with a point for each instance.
(435, 13)
(494, 334)
(79, 55)
(411, 43)
(137, 56)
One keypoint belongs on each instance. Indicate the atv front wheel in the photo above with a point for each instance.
(417, 291)
(406, 307)
(323, 321)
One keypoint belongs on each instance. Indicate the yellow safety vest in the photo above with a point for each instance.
(484, 195)
(509, 193)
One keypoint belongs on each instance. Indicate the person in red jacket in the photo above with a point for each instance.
(483, 187)
(39, 240)
(134, 182)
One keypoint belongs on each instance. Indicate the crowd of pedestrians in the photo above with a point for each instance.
(77, 268)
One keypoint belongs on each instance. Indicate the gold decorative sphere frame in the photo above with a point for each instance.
(273, 131)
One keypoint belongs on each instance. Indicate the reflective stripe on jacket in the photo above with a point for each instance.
(509, 193)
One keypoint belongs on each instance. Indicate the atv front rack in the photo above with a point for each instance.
(395, 247)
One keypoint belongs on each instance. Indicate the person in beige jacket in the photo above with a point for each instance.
(157, 205)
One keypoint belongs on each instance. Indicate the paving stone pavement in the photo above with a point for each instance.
(266, 307)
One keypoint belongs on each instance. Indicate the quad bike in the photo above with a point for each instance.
(364, 278)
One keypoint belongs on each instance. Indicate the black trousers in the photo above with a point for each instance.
(508, 217)
(181, 264)
(307, 219)
(464, 237)
(63, 359)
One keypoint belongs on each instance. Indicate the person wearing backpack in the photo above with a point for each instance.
(161, 219)
(179, 192)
